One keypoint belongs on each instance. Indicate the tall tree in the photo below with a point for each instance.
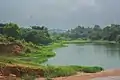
(12, 30)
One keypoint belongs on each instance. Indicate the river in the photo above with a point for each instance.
(88, 54)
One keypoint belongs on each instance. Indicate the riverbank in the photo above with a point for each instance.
(90, 41)
(30, 62)
(37, 55)
(30, 71)
(108, 75)
(104, 75)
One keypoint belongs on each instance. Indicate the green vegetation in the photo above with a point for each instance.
(33, 46)
(77, 41)
(108, 33)
(58, 71)
(34, 34)
(42, 54)
(37, 55)
(24, 70)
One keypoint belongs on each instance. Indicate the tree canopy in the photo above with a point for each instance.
(35, 34)
(40, 34)
(12, 30)
(110, 32)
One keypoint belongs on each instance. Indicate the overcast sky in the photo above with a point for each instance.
(60, 13)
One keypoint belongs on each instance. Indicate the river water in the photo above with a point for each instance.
(88, 54)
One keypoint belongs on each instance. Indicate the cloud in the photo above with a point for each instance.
(60, 13)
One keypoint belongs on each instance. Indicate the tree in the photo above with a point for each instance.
(37, 37)
(12, 30)
(118, 39)
(111, 32)
(32, 36)
(95, 35)
(1, 27)
(96, 28)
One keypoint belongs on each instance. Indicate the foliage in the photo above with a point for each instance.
(61, 71)
(28, 50)
(109, 33)
(12, 30)
(87, 69)
(118, 39)
(51, 71)
(11, 39)
(3, 38)
(36, 35)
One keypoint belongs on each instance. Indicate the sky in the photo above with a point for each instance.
(62, 14)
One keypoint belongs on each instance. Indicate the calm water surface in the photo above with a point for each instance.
(106, 56)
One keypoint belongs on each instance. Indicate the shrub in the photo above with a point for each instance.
(28, 50)
(3, 39)
(11, 39)
(87, 69)
(91, 69)
(51, 71)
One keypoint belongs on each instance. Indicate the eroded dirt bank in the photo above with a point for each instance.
(79, 76)
(89, 76)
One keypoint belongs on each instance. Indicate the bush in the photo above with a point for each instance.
(51, 71)
(3, 39)
(28, 50)
(87, 69)
(61, 71)
(11, 39)
(91, 69)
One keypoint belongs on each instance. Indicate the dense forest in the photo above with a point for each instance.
(41, 34)
(34, 34)
(110, 33)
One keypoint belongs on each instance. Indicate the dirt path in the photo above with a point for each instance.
(89, 76)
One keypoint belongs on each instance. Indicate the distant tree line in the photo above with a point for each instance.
(110, 33)
(34, 34)
(41, 35)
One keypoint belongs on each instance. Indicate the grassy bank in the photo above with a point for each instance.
(30, 62)
(37, 56)
(76, 41)
(58, 71)
(89, 41)
(103, 42)
(43, 53)
(20, 70)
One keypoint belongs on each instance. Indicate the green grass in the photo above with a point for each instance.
(79, 41)
(58, 71)
(14, 60)
(38, 56)
(52, 71)
(87, 69)
(103, 42)
(41, 54)
(76, 41)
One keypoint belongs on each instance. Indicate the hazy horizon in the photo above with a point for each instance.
(62, 14)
